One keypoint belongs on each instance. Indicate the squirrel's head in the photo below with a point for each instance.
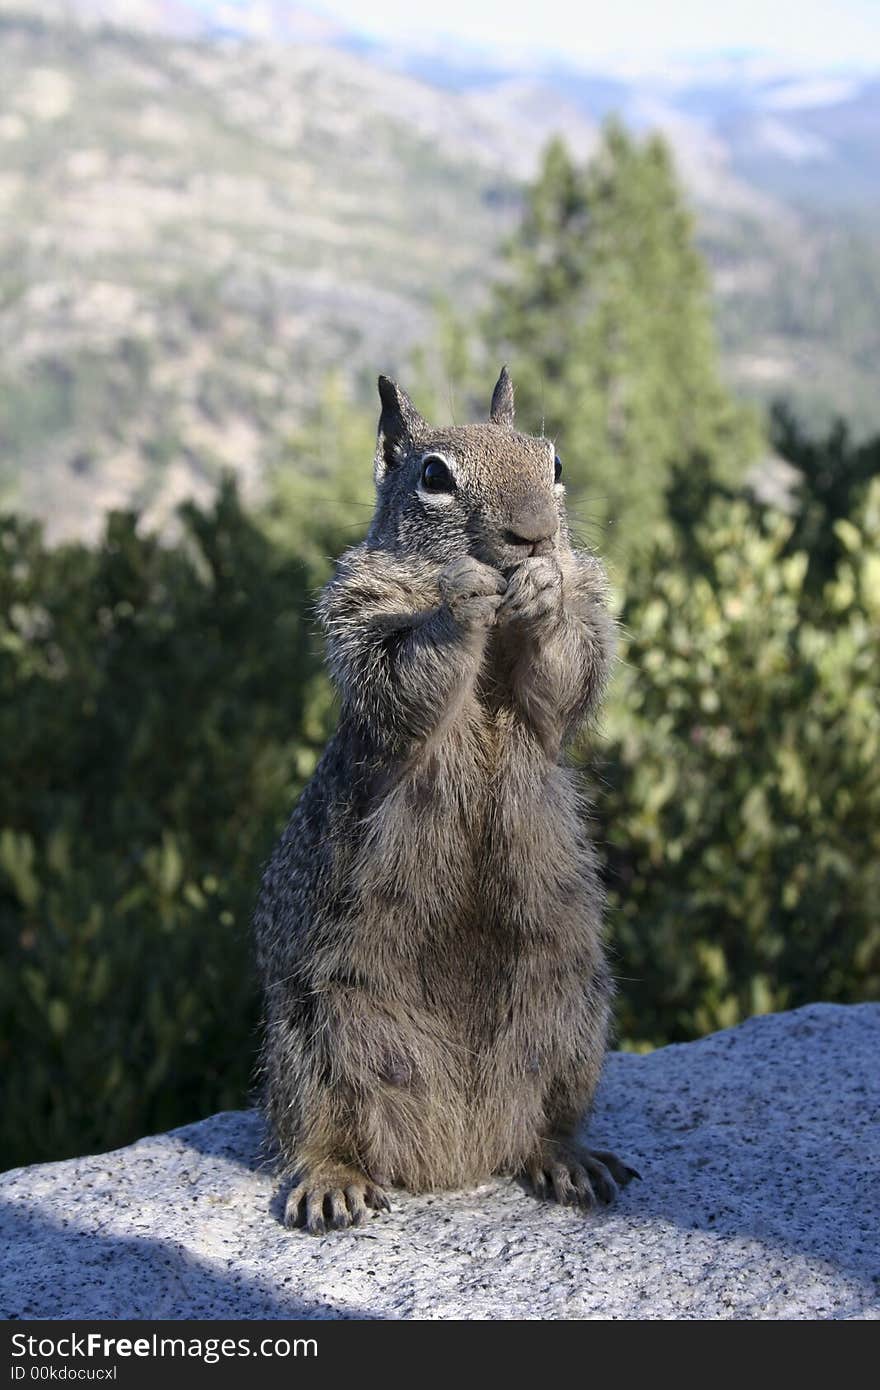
(482, 490)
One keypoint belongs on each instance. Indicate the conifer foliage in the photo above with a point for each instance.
(603, 310)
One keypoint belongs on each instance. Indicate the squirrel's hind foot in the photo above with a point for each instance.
(332, 1198)
(575, 1176)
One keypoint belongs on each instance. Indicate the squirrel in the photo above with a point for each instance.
(429, 927)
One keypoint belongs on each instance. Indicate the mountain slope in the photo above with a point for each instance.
(193, 231)
(191, 235)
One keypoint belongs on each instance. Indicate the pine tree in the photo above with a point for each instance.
(604, 312)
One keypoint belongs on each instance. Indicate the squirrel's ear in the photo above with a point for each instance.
(399, 423)
(501, 409)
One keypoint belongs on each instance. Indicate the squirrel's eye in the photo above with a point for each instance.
(436, 477)
(557, 469)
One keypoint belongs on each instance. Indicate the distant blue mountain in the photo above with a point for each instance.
(811, 137)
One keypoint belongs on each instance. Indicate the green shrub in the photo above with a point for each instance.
(742, 807)
(158, 713)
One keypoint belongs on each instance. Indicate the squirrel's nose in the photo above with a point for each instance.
(535, 528)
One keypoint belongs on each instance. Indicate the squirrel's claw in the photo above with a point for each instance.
(575, 1176)
(323, 1203)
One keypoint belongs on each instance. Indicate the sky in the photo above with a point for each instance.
(811, 33)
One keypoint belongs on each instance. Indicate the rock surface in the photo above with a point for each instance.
(760, 1198)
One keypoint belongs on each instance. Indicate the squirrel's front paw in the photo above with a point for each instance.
(534, 591)
(472, 591)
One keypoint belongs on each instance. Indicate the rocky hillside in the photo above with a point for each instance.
(195, 227)
(190, 235)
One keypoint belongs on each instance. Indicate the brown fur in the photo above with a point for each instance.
(429, 927)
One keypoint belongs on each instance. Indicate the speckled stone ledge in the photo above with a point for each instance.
(760, 1198)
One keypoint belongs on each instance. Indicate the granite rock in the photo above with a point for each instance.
(760, 1198)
